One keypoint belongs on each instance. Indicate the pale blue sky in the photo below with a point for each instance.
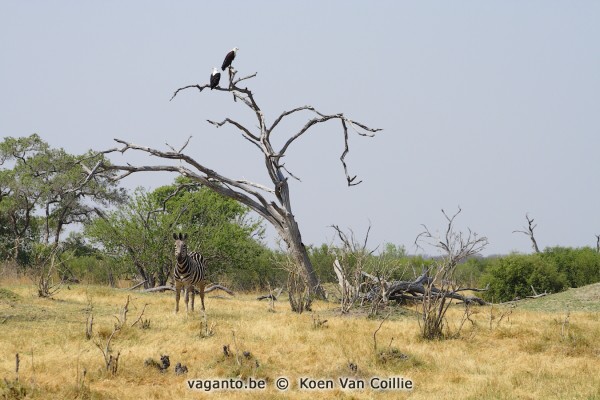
(493, 106)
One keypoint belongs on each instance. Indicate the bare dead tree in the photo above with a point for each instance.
(272, 202)
(439, 281)
(349, 265)
(598, 243)
(111, 362)
(47, 260)
(529, 232)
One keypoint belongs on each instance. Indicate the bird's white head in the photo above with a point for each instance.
(214, 71)
(235, 49)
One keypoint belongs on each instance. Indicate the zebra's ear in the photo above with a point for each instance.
(180, 236)
(174, 236)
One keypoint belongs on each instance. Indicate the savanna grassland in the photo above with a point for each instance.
(540, 349)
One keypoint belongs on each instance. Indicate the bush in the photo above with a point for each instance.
(469, 273)
(512, 276)
(580, 266)
(93, 269)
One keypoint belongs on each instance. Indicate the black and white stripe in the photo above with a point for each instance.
(189, 272)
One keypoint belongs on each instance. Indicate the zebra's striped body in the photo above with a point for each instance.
(189, 272)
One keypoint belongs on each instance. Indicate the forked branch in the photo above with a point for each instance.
(529, 232)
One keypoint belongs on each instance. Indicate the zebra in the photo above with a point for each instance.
(189, 272)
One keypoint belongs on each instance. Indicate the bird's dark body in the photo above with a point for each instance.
(214, 80)
(228, 60)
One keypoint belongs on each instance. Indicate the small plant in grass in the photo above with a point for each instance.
(13, 389)
(89, 325)
(207, 330)
(391, 356)
(317, 322)
(82, 390)
(502, 315)
(564, 327)
(145, 324)
(112, 362)
(241, 363)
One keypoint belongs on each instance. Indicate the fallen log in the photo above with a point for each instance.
(417, 290)
(136, 286)
(414, 291)
(158, 289)
(272, 296)
(208, 289)
(537, 296)
(218, 287)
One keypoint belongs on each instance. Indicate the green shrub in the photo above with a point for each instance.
(512, 276)
(580, 266)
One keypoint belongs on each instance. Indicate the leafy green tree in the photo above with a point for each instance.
(393, 251)
(19, 192)
(220, 228)
(136, 231)
(44, 189)
(322, 258)
(580, 266)
(514, 275)
(472, 270)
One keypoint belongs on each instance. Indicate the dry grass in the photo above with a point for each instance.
(529, 355)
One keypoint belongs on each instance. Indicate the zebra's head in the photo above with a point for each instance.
(180, 246)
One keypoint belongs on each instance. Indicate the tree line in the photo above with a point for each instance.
(120, 234)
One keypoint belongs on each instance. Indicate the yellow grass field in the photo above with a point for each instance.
(529, 354)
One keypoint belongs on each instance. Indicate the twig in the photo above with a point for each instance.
(377, 330)
(136, 286)
(140, 317)
(244, 78)
(200, 88)
(237, 350)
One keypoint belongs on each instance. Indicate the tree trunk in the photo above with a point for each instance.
(293, 239)
(17, 244)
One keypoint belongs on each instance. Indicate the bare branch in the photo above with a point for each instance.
(200, 88)
(288, 171)
(182, 147)
(344, 154)
(322, 118)
(286, 113)
(210, 178)
(364, 127)
(256, 185)
(306, 127)
(244, 78)
(530, 227)
(237, 125)
(140, 317)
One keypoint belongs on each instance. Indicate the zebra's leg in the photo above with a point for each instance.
(178, 286)
(186, 289)
(191, 289)
(201, 290)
